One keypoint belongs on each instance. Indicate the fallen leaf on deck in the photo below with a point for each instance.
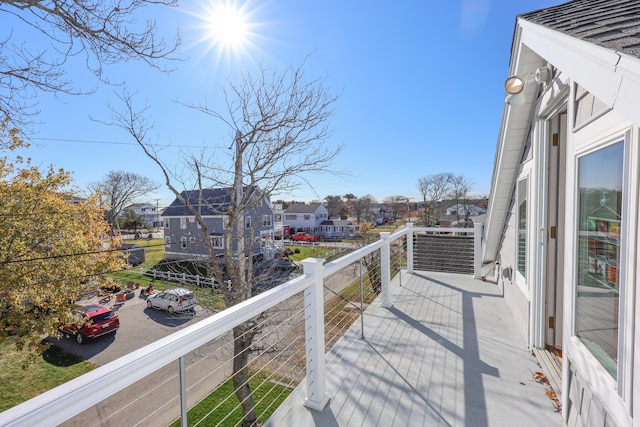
(540, 377)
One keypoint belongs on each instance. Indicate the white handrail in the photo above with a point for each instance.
(65, 401)
(81, 393)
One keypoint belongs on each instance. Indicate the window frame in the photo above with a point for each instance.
(619, 395)
(523, 279)
(604, 381)
(214, 238)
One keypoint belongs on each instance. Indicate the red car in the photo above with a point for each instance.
(101, 321)
(303, 237)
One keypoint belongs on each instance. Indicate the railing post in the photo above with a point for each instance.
(477, 250)
(183, 393)
(410, 248)
(385, 270)
(317, 397)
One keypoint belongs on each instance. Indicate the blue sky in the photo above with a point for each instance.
(421, 88)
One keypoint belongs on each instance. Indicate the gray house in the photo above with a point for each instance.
(184, 237)
(562, 225)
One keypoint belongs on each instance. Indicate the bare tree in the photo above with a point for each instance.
(434, 189)
(460, 188)
(280, 123)
(335, 206)
(361, 207)
(118, 189)
(97, 31)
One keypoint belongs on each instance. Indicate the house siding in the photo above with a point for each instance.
(590, 108)
(185, 240)
(514, 295)
(195, 246)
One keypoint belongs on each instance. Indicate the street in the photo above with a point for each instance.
(154, 401)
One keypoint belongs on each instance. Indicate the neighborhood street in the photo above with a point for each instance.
(154, 400)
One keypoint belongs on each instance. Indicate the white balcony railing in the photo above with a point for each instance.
(64, 402)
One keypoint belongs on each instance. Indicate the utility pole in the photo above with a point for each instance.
(157, 213)
(408, 210)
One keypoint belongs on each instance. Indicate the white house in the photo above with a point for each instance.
(337, 228)
(148, 212)
(562, 224)
(305, 217)
(461, 210)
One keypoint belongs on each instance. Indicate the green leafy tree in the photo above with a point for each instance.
(51, 246)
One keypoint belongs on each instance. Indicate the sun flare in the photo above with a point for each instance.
(227, 27)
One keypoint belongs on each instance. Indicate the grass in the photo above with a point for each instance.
(154, 254)
(267, 395)
(52, 368)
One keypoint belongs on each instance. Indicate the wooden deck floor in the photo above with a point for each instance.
(446, 354)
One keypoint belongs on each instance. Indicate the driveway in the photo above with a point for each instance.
(153, 400)
(139, 326)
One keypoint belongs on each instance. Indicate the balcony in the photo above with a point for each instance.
(434, 348)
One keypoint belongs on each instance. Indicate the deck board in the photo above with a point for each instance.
(446, 354)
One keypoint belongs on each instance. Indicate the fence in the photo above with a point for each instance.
(291, 338)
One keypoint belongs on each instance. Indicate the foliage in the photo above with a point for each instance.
(51, 245)
(130, 220)
(53, 368)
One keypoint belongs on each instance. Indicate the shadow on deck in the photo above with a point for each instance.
(446, 354)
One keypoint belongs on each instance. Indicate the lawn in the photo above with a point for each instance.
(154, 253)
(222, 406)
(52, 368)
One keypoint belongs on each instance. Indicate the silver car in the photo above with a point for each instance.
(173, 300)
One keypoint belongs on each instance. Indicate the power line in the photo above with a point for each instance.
(92, 141)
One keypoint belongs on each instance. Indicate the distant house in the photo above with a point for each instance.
(184, 237)
(562, 224)
(337, 228)
(305, 217)
(148, 212)
(465, 210)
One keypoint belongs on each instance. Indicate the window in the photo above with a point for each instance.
(183, 223)
(247, 222)
(290, 217)
(278, 217)
(183, 242)
(266, 220)
(307, 217)
(217, 241)
(599, 224)
(166, 223)
(192, 239)
(167, 241)
(522, 227)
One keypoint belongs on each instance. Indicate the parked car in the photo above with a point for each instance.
(173, 300)
(93, 321)
(303, 237)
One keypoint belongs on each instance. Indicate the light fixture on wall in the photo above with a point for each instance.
(515, 85)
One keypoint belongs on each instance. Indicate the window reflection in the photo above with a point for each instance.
(599, 222)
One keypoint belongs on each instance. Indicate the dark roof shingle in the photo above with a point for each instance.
(613, 24)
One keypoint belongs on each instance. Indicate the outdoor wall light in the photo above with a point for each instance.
(515, 85)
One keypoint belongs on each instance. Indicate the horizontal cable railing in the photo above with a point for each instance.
(292, 326)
